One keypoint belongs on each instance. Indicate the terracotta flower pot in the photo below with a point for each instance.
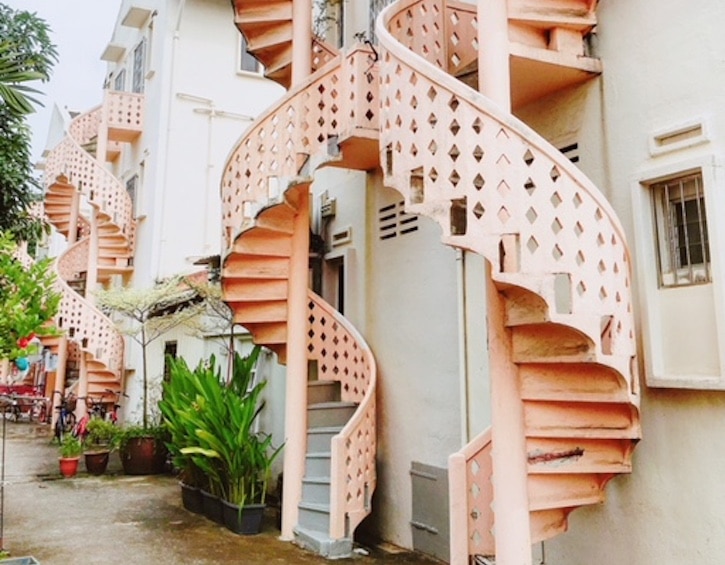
(68, 466)
(96, 462)
(143, 456)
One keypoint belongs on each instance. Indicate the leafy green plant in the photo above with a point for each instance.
(70, 447)
(212, 426)
(136, 431)
(102, 435)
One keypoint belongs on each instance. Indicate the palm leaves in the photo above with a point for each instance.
(13, 75)
(212, 427)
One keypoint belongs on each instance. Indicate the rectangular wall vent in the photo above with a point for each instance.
(394, 222)
(571, 152)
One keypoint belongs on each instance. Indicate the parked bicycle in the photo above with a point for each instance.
(66, 417)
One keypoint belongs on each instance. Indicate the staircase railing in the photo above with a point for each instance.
(471, 495)
(342, 355)
(521, 221)
(336, 101)
(84, 323)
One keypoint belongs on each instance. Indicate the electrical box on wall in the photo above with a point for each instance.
(328, 208)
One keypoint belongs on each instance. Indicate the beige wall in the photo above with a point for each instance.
(663, 66)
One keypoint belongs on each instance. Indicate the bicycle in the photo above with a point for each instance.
(66, 417)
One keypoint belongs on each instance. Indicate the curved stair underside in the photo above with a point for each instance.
(557, 252)
(329, 120)
(92, 208)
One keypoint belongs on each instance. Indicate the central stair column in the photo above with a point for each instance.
(508, 437)
(296, 390)
(301, 40)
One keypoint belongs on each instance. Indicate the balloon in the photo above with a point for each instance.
(22, 363)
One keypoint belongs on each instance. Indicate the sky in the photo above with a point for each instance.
(80, 29)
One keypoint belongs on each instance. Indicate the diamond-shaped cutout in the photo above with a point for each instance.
(477, 153)
(454, 38)
(601, 266)
(581, 288)
(600, 240)
(556, 199)
(433, 174)
(432, 94)
(453, 103)
(554, 173)
(557, 253)
(478, 210)
(414, 102)
(413, 79)
(454, 153)
(580, 258)
(455, 178)
(556, 226)
(413, 150)
(455, 60)
(618, 297)
(578, 229)
(532, 245)
(454, 127)
(432, 120)
(432, 147)
(503, 215)
(603, 293)
(413, 126)
(503, 188)
(530, 186)
(531, 215)
(478, 181)
(477, 125)
(577, 200)
(528, 157)
(598, 214)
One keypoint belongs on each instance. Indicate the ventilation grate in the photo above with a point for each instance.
(571, 152)
(394, 222)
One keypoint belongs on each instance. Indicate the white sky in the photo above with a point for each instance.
(80, 29)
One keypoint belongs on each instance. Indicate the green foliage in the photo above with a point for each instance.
(102, 434)
(212, 428)
(26, 54)
(136, 431)
(27, 299)
(70, 447)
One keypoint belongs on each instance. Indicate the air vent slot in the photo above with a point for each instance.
(394, 222)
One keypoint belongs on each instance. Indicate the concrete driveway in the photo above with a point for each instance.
(118, 519)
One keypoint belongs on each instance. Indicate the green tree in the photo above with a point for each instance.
(26, 55)
(148, 313)
(28, 299)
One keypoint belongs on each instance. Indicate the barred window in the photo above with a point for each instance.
(139, 67)
(119, 83)
(681, 224)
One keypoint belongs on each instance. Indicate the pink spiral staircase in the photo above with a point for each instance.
(560, 268)
(89, 206)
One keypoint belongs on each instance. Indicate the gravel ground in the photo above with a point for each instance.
(118, 519)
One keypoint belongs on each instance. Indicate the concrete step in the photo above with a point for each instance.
(326, 414)
(316, 490)
(320, 439)
(323, 391)
(314, 516)
(319, 542)
(317, 464)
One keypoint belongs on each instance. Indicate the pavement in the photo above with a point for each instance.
(119, 519)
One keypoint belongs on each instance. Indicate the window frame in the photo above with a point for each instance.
(244, 56)
(120, 77)
(138, 62)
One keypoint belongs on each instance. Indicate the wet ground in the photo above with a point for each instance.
(118, 519)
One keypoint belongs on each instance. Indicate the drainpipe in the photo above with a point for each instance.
(511, 504)
(462, 345)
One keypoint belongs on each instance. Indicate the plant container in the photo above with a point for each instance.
(143, 456)
(213, 508)
(245, 520)
(192, 499)
(96, 462)
(68, 466)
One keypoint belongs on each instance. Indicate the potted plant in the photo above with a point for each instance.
(222, 441)
(98, 444)
(142, 449)
(70, 455)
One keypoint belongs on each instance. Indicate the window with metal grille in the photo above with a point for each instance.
(139, 64)
(119, 83)
(681, 224)
(394, 222)
(247, 62)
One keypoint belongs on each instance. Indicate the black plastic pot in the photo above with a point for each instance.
(212, 506)
(248, 521)
(191, 499)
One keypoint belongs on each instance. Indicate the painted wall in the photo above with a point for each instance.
(663, 67)
(197, 106)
